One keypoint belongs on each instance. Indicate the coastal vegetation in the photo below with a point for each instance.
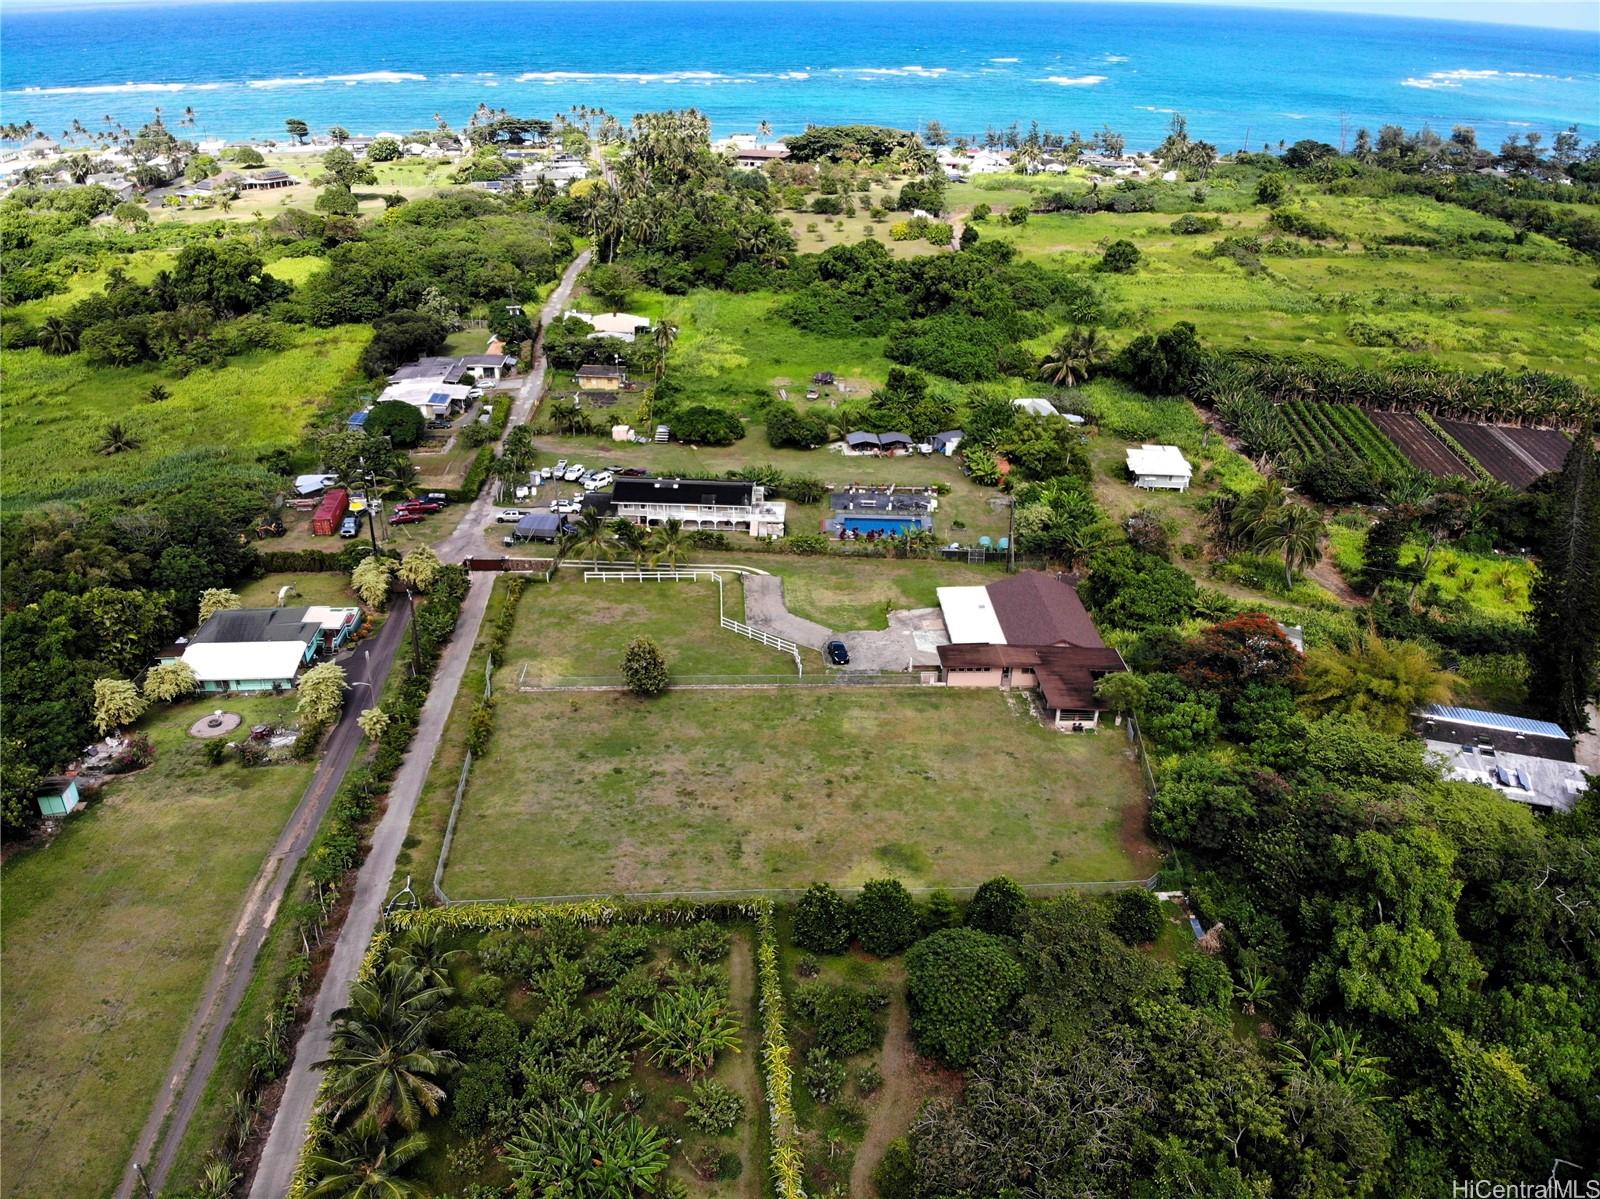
(1395, 982)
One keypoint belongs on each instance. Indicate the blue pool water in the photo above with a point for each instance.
(892, 525)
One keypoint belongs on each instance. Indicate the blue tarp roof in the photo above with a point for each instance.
(1496, 720)
(358, 419)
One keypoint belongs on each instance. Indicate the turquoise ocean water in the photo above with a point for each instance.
(372, 66)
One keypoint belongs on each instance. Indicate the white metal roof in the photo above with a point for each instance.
(1159, 460)
(422, 392)
(223, 662)
(1038, 407)
(969, 616)
(331, 618)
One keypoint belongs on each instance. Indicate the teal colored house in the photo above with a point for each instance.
(58, 795)
(263, 649)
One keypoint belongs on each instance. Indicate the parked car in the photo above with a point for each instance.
(423, 506)
(634, 472)
(574, 472)
(350, 526)
(436, 497)
(567, 506)
(404, 517)
(509, 516)
(603, 480)
(837, 654)
(559, 469)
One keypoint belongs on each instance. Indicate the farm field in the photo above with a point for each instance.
(55, 409)
(109, 933)
(1344, 430)
(1514, 456)
(777, 788)
(1420, 445)
(522, 981)
(1532, 308)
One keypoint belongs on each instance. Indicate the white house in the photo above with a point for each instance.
(624, 326)
(1159, 468)
(428, 397)
(728, 505)
(259, 649)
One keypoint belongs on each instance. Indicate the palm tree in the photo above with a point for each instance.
(56, 336)
(670, 542)
(381, 1067)
(366, 1166)
(632, 538)
(592, 534)
(764, 130)
(1074, 358)
(157, 394)
(1253, 988)
(1335, 1052)
(115, 438)
(426, 953)
(1295, 531)
(1382, 682)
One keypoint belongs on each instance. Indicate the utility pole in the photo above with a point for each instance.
(1011, 537)
(372, 511)
(416, 642)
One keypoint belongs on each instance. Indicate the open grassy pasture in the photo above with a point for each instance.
(857, 593)
(411, 178)
(777, 788)
(733, 349)
(55, 408)
(1535, 309)
(109, 933)
(571, 627)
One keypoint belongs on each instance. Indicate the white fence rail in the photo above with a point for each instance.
(759, 636)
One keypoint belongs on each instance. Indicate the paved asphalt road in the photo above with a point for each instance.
(282, 1152)
(367, 668)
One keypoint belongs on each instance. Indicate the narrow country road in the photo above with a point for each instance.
(467, 539)
(279, 1157)
(282, 1151)
(196, 1057)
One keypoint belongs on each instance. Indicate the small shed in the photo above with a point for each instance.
(57, 795)
(946, 443)
(1159, 468)
(863, 443)
(595, 377)
(894, 441)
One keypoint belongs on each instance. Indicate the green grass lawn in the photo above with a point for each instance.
(857, 593)
(777, 788)
(310, 587)
(109, 933)
(733, 349)
(572, 627)
(56, 408)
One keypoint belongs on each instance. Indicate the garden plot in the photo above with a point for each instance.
(1516, 457)
(1420, 445)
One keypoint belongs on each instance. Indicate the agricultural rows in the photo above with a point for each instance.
(1320, 429)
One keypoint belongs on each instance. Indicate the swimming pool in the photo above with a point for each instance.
(891, 525)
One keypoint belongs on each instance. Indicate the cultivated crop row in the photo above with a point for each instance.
(1320, 429)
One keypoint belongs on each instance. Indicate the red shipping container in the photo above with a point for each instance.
(325, 520)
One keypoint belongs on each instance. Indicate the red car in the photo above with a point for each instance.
(418, 506)
(405, 517)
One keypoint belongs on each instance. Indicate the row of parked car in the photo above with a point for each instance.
(406, 512)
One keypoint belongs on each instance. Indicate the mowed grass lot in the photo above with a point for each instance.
(55, 409)
(776, 788)
(572, 627)
(109, 933)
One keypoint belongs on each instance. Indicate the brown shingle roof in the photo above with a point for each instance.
(1038, 609)
(1066, 673)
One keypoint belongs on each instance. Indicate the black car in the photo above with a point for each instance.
(837, 654)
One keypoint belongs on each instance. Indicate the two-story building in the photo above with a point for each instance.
(719, 505)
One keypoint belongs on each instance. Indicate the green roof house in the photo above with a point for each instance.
(57, 795)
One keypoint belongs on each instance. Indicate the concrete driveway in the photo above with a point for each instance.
(910, 641)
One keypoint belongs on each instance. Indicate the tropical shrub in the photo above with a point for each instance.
(959, 983)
